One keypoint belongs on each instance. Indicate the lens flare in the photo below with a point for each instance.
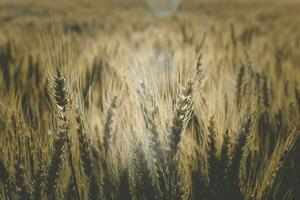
(164, 8)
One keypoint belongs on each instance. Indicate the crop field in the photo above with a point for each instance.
(143, 100)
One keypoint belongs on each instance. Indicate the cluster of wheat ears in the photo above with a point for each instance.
(176, 130)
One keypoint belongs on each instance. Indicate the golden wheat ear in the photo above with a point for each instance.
(61, 96)
(86, 156)
(107, 125)
(144, 187)
(182, 110)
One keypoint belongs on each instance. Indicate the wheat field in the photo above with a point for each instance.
(107, 100)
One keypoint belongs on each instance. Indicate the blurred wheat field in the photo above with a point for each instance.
(106, 100)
